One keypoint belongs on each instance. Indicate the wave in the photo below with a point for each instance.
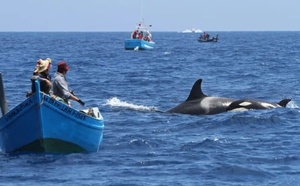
(115, 102)
(292, 104)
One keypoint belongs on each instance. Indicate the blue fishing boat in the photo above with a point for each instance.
(137, 44)
(43, 124)
(141, 38)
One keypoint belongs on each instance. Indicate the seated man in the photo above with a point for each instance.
(41, 73)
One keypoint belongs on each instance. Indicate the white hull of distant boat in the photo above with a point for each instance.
(192, 31)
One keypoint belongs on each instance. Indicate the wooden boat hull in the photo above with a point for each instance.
(138, 44)
(42, 124)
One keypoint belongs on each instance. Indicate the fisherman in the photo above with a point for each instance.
(41, 73)
(148, 36)
(140, 35)
(134, 34)
(60, 88)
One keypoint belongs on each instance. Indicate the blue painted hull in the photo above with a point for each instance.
(42, 124)
(138, 44)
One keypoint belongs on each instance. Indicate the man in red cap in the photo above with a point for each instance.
(60, 85)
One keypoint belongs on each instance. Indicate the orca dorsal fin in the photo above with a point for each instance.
(196, 91)
(284, 102)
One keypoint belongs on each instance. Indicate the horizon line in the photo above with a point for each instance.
(154, 31)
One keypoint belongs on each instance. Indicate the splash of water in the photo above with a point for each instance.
(292, 104)
(115, 102)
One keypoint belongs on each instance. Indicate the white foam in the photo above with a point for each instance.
(292, 104)
(115, 102)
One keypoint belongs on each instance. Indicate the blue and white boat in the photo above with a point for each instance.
(141, 38)
(136, 44)
(43, 124)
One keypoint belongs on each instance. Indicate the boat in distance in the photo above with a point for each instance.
(193, 30)
(140, 39)
(43, 124)
(206, 38)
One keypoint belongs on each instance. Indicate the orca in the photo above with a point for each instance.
(251, 104)
(200, 104)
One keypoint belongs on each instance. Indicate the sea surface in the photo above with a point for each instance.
(141, 144)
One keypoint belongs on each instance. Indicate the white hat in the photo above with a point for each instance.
(42, 65)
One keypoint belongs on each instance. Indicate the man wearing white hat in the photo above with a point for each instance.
(41, 72)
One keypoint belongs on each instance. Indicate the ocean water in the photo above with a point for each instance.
(143, 146)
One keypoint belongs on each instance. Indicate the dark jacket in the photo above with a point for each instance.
(44, 86)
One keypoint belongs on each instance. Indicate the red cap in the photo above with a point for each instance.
(62, 66)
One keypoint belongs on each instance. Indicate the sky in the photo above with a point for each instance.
(163, 15)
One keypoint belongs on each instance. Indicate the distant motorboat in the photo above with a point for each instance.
(207, 38)
(193, 30)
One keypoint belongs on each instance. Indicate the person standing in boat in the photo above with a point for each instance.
(148, 36)
(41, 73)
(201, 36)
(60, 86)
(205, 36)
(140, 35)
(134, 34)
